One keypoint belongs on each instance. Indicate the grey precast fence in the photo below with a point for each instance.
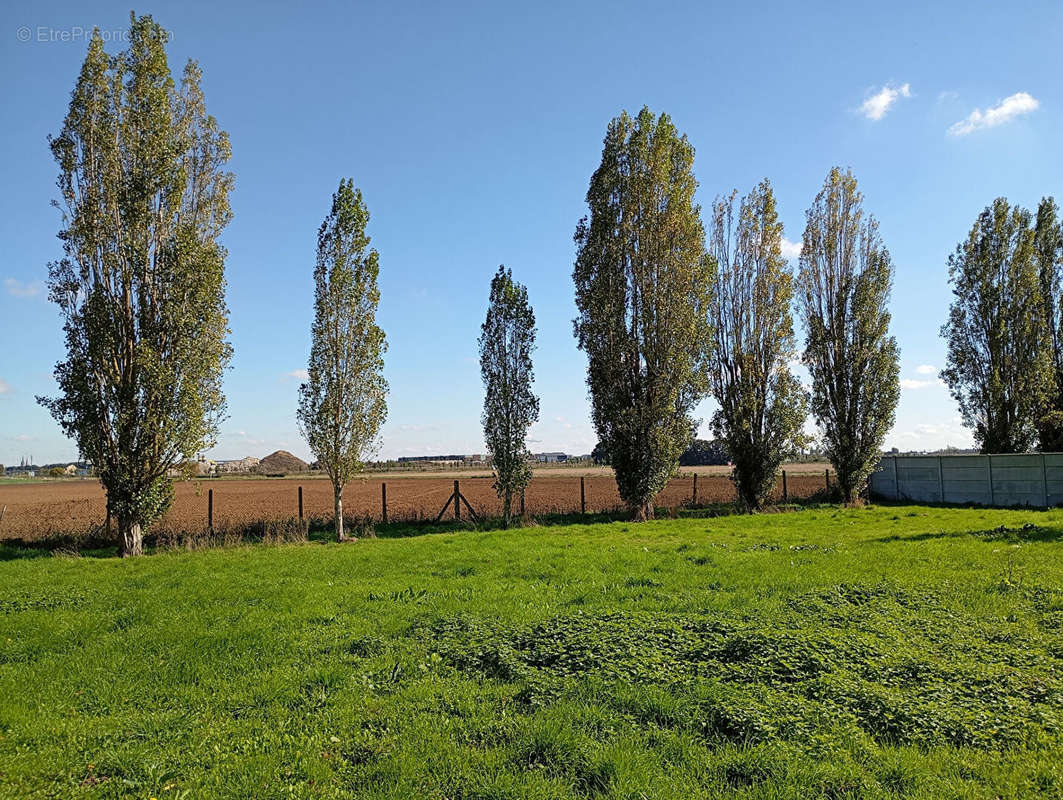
(1024, 479)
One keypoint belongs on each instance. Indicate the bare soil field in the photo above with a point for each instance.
(570, 469)
(38, 510)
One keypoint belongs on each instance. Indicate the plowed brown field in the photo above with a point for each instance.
(73, 507)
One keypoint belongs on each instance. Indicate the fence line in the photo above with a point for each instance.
(672, 496)
(1023, 479)
(224, 505)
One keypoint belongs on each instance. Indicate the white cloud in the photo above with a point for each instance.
(876, 106)
(912, 383)
(298, 374)
(5, 387)
(1007, 109)
(790, 249)
(20, 289)
(926, 369)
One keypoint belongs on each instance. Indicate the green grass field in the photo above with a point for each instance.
(885, 652)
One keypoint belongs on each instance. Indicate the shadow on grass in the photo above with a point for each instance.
(1025, 533)
(409, 528)
(396, 530)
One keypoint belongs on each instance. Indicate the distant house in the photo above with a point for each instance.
(551, 458)
(445, 460)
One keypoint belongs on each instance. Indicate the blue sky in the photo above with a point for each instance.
(473, 129)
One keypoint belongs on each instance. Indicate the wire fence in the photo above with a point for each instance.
(43, 510)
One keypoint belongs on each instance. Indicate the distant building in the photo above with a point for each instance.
(448, 460)
(432, 459)
(551, 458)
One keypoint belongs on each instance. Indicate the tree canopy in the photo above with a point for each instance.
(643, 284)
(507, 340)
(844, 285)
(343, 402)
(1000, 357)
(141, 286)
(762, 406)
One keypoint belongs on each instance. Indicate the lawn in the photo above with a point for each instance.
(883, 652)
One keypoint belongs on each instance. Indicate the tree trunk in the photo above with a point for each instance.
(507, 508)
(130, 538)
(748, 500)
(339, 512)
(643, 512)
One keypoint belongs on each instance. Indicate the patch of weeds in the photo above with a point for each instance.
(385, 680)
(366, 646)
(836, 658)
(40, 601)
(407, 595)
(635, 583)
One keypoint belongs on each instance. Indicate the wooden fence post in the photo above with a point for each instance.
(384, 502)
(582, 496)
(457, 502)
(694, 498)
(522, 502)
(300, 503)
(785, 493)
(941, 480)
(210, 509)
(826, 474)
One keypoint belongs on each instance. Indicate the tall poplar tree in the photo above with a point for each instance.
(643, 284)
(343, 403)
(141, 286)
(999, 362)
(762, 406)
(844, 285)
(1048, 256)
(507, 340)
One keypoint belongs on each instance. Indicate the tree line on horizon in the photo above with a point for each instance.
(669, 313)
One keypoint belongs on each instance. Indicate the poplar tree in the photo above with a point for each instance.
(643, 283)
(343, 403)
(141, 286)
(999, 362)
(762, 406)
(844, 284)
(507, 340)
(1048, 255)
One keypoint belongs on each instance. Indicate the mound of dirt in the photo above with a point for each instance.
(281, 463)
(236, 467)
